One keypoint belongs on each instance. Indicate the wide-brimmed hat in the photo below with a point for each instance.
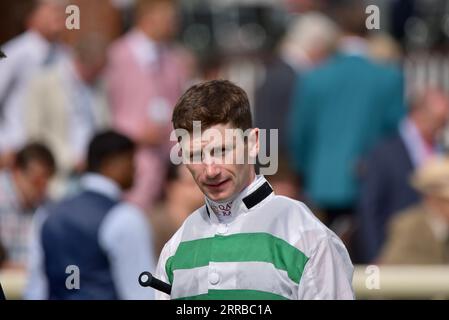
(432, 177)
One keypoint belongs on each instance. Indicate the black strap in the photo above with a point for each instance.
(257, 196)
(2, 295)
(254, 198)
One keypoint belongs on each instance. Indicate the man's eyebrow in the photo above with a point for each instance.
(191, 152)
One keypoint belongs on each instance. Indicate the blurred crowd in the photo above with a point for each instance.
(85, 120)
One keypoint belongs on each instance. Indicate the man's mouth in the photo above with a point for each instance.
(216, 185)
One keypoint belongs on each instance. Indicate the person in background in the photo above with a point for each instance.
(146, 74)
(420, 233)
(181, 196)
(107, 239)
(385, 172)
(66, 105)
(27, 53)
(340, 111)
(310, 39)
(22, 189)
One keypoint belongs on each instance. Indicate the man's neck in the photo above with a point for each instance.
(223, 209)
(148, 33)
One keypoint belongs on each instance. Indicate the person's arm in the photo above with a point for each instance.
(374, 190)
(125, 236)
(7, 78)
(300, 124)
(328, 272)
(161, 274)
(36, 287)
(394, 103)
(167, 252)
(7, 70)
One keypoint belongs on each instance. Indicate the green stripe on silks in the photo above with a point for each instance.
(240, 247)
(235, 295)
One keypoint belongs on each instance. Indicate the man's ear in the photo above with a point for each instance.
(253, 143)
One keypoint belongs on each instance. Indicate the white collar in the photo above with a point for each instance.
(98, 183)
(143, 47)
(413, 140)
(40, 43)
(233, 208)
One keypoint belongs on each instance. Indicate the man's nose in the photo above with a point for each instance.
(212, 170)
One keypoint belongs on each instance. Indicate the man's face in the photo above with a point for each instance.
(163, 17)
(437, 109)
(49, 19)
(121, 168)
(33, 181)
(219, 160)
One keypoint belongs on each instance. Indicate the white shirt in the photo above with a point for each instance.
(281, 228)
(26, 54)
(124, 236)
(144, 49)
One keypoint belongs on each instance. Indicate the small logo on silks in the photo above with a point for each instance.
(225, 208)
(2, 55)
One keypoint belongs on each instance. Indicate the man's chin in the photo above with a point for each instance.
(219, 196)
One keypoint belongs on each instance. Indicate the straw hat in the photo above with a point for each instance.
(432, 178)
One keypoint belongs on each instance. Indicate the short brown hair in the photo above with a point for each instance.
(213, 102)
(35, 152)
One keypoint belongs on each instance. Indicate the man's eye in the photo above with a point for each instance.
(196, 156)
(219, 152)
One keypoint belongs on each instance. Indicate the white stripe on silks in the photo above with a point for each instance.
(190, 282)
(260, 276)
